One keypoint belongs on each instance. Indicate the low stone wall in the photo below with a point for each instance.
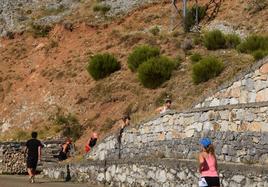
(12, 158)
(165, 172)
(239, 135)
(249, 87)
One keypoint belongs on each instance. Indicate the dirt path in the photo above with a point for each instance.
(21, 181)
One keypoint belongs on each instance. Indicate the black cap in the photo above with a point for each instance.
(125, 117)
(167, 100)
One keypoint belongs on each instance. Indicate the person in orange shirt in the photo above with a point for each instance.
(91, 142)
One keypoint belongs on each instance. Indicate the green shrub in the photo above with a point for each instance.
(101, 8)
(214, 40)
(155, 71)
(232, 40)
(141, 54)
(191, 16)
(40, 30)
(102, 65)
(70, 126)
(259, 54)
(206, 69)
(196, 57)
(155, 30)
(253, 43)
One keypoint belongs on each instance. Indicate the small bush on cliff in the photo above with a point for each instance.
(140, 55)
(206, 69)
(70, 126)
(155, 71)
(191, 16)
(196, 57)
(101, 8)
(232, 40)
(102, 65)
(253, 43)
(214, 40)
(260, 54)
(40, 30)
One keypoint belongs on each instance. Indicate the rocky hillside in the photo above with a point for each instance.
(43, 78)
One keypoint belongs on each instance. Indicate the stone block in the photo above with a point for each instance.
(264, 69)
(235, 92)
(262, 95)
(161, 176)
(238, 178)
(249, 84)
(252, 97)
(254, 126)
(215, 102)
(260, 85)
(234, 101)
(208, 126)
(189, 133)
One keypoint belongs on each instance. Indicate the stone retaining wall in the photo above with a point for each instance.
(239, 135)
(249, 87)
(12, 158)
(165, 172)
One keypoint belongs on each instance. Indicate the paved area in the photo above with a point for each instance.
(22, 181)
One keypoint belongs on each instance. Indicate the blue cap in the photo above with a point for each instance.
(205, 142)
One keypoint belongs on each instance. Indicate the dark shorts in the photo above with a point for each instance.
(212, 181)
(32, 163)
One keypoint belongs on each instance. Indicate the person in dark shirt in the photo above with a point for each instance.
(65, 149)
(126, 121)
(33, 150)
(91, 142)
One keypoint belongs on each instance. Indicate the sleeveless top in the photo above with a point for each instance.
(209, 167)
(163, 110)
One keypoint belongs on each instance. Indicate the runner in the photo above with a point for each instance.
(65, 149)
(33, 150)
(126, 121)
(208, 164)
(164, 108)
(91, 142)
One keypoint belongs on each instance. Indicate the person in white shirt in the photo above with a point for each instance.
(164, 108)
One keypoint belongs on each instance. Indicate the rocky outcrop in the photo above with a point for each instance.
(17, 15)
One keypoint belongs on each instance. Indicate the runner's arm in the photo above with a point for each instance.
(158, 110)
(201, 162)
(39, 153)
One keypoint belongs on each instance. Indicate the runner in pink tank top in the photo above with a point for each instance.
(208, 163)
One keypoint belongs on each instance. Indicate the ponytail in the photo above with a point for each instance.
(210, 150)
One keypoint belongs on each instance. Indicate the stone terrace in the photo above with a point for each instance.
(234, 117)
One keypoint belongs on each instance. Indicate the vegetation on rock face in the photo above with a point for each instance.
(155, 71)
(155, 30)
(253, 43)
(206, 69)
(256, 45)
(196, 57)
(140, 55)
(40, 30)
(191, 17)
(70, 126)
(232, 40)
(259, 54)
(214, 40)
(102, 65)
(101, 8)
